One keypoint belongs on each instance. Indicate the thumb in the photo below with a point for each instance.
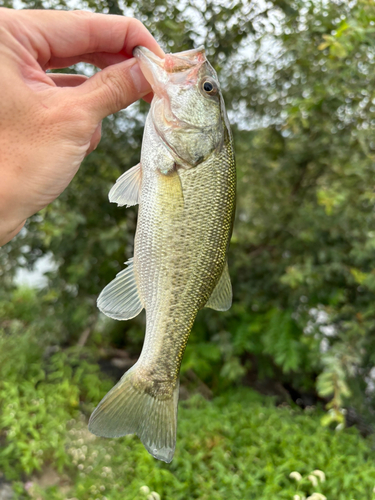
(112, 89)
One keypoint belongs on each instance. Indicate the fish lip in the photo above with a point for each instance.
(182, 61)
(157, 70)
(187, 58)
(142, 53)
(152, 67)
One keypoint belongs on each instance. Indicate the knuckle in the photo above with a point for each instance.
(137, 24)
(115, 87)
(137, 29)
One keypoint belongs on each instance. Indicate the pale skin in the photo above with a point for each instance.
(50, 122)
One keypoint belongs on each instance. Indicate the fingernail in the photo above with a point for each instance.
(139, 81)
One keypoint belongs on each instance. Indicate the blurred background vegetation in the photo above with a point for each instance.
(285, 380)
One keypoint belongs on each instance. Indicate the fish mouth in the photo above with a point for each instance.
(157, 70)
(152, 67)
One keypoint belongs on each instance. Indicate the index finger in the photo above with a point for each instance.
(49, 34)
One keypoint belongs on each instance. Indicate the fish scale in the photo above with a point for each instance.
(185, 186)
(201, 230)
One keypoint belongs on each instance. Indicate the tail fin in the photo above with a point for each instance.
(127, 410)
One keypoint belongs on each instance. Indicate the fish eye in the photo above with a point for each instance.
(209, 86)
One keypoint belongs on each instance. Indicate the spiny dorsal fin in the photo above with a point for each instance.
(120, 298)
(127, 187)
(221, 297)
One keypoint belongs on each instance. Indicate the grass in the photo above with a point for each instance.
(237, 446)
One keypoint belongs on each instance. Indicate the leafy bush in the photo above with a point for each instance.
(40, 390)
(297, 79)
(237, 446)
(298, 83)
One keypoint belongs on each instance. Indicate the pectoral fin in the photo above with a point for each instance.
(221, 297)
(120, 299)
(127, 188)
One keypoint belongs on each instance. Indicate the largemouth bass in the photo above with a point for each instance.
(185, 186)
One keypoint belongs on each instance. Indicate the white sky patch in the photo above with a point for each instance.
(50, 4)
(35, 278)
(370, 381)
(319, 326)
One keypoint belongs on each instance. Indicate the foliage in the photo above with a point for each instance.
(40, 391)
(298, 83)
(304, 234)
(237, 446)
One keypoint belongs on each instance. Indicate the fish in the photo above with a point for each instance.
(185, 186)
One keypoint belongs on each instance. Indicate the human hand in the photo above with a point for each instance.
(50, 122)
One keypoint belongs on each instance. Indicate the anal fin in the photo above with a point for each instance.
(120, 298)
(221, 297)
(127, 187)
